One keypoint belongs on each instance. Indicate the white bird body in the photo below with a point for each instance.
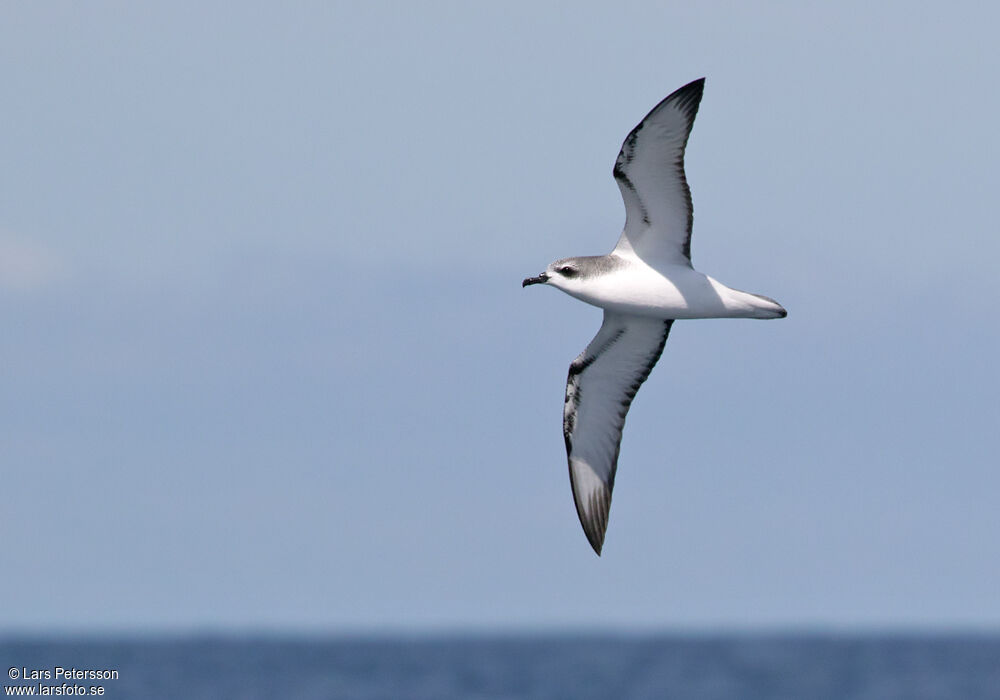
(644, 285)
(675, 292)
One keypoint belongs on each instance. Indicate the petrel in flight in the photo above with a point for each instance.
(644, 285)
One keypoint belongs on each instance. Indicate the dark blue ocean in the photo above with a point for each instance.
(724, 667)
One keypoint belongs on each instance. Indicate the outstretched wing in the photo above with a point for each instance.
(650, 175)
(602, 382)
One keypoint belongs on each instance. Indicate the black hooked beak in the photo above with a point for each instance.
(542, 278)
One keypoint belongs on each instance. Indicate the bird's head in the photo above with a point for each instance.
(563, 274)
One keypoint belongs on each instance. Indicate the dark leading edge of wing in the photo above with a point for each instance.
(600, 387)
(650, 175)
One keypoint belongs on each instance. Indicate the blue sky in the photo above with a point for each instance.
(267, 363)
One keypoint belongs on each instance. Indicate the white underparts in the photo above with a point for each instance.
(676, 292)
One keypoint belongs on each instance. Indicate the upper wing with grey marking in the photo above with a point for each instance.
(602, 382)
(650, 175)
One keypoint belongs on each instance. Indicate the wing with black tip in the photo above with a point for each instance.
(650, 175)
(602, 382)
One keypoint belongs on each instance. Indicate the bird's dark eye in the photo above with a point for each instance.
(567, 271)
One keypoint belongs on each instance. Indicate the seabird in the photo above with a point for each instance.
(644, 285)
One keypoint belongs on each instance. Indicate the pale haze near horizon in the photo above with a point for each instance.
(267, 364)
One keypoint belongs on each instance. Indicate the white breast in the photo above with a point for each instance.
(676, 292)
